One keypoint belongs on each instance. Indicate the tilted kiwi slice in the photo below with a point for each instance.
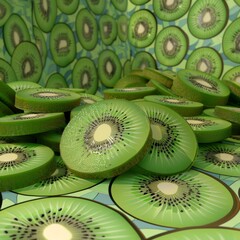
(27, 62)
(207, 18)
(209, 129)
(171, 45)
(108, 140)
(45, 12)
(233, 74)
(65, 218)
(6, 72)
(109, 68)
(173, 144)
(161, 88)
(5, 110)
(234, 88)
(131, 80)
(189, 199)
(61, 181)
(62, 44)
(86, 27)
(122, 27)
(46, 100)
(68, 6)
(5, 12)
(139, 2)
(170, 10)
(200, 87)
(96, 6)
(228, 113)
(142, 28)
(7, 95)
(84, 75)
(206, 59)
(220, 158)
(56, 80)
(231, 41)
(30, 123)
(143, 60)
(21, 85)
(22, 164)
(120, 5)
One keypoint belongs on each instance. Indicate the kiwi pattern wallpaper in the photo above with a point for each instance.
(174, 40)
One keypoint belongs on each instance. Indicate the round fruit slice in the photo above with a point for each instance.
(189, 199)
(69, 6)
(207, 18)
(97, 6)
(171, 46)
(62, 181)
(56, 80)
(143, 60)
(6, 72)
(120, 5)
(21, 85)
(142, 28)
(105, 139)
(209, 129)
(232, 74)
(65, 218)
(30, 123)
(122, 27)
(46, 100)
(228, 113)
(219, 158)
(173, 144)
(5, 12)
(22, 164)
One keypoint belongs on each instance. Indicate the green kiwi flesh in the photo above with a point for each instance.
(96, 6)
(161, 88)
(120, 5)
(5, 110)
(21, 85)
(7, 96)
(68, 6)
(228, 113)
(143, 60)
(122, 27)
(56, 80)
(5, 12)
(6, 72)
(175, 201)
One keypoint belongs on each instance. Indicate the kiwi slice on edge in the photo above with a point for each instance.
(84, 75)
(56, 80)
(6, 72)
(62, 181)
(207, 233)
(108, 29)
(7, 96)
(62, 44)
(171, 46)
(206, 59)
(15, 31)
(142, 28)
(131, 80)
(110, 139)
(209, 129)
(122, 27)
(21, 85)
(232, 74)
(228, 113)
(161, 88)
(200, 87)
(22, 164)
(181, 200)
(207, 18)
(109, 68)
(45, 12)
(27, 62)
(182, 106)
(231, 41)
(46, 100)
(120, 5)
(170, 10)
(5, 12)
(65, 218)
(97, 6)
(173, 144)
(87, 29)
(219, 158)
(68, 6)
(143, 60)
(234, 88)
(30, 123)
(5, 110)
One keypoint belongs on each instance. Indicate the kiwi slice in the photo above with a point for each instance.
(171, 46)
(232, 74)
(234, 88)
(75, 90)
(207, 18)
(143, 60)
(161, 88)
(27, 62)
(139, 2)
(45, 12)
(87, 29)
(228, 113)
(15, 31)
(108, 29)
(68, 6)
(142, 28)
(173, 144)
(84, 75)
(62, 181)
(122, 27)
(22, 164)
(181, 200)
(62, 44)
(6, 72)
(56, 80)
(231, 41)
(5, 12)
(5, 110)
(109, 67)
(30, 123)
(206, 59)
(237, 2)
(96, 6)
(182, 106)
(65, 218)
(21, 85)
(170, 10)
(209, 129)
(7, 95)
(120, 5)
(220, 158)
(209, 233)
(109, 140)
(130, 80)
(200, 87)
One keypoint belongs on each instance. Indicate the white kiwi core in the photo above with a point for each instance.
(89, 101)
(170, 2)
(140, 28)
(62, 44)
(172, 100)
(8, 157)
(207, 17)
(45, 5)
(86, 28)
(168, 188)
(157, 133)
(203, 83)
(203, 66)
(16, 37)
(225, 156)
(48, 94)
(27, 67)
(169, 46)
(32, 115)
(57, 231)
(85, 79)
(109, 67)
(102, 132)
(194, 122)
